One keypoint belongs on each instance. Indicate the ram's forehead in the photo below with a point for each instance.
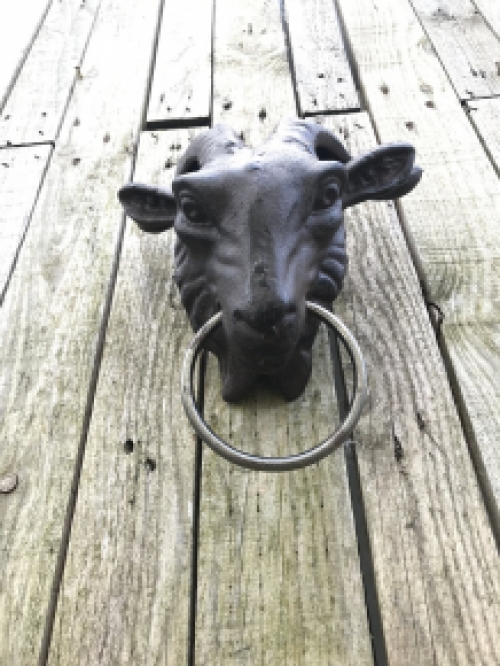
(245, 180)
(269, 157)
(278, 176)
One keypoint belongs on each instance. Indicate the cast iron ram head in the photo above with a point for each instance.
(259, 232)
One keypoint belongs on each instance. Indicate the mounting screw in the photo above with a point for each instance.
(8, 483)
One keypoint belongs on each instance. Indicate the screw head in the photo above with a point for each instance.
(8, 483)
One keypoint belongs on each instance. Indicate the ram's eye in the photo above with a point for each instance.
(192, 209)
(327, 195)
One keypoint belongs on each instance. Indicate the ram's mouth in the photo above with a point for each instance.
(263, 352)
(287, 367)
(264, 360)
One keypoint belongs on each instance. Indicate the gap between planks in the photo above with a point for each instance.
(367, 564)
(465, 45)
(26, 22)
(181, 83)
(37, 103)
(319, 63)
(484, 115)
(197, 490)
(490, 11)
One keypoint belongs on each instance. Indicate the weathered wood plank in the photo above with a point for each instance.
(52, 314)
(451, 218)
(35, 107)
(132, 525)
(485, 115)
(19, 25)
(491, 12)
(436, 563)
(279, 579)
(21, 174)
(323, 75)
(467, 47)
(252, 83)
(182, 81)
(474, 351)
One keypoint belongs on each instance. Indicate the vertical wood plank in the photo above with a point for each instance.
(19, 25)
(451, 218)
(35, 107)
(182, 81)
(252, 83)
(484, 114)
(126, 588)
(324, 79)
(436, 562)
(279, 578)
(52, 314)
(21, 174)
(467, 47)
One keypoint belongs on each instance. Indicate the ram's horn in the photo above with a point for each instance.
(215, 142)
(312, 137)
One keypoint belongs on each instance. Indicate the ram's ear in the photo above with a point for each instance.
(385, 173)
(153, 208)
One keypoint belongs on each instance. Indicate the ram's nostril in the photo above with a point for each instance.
(272, 315)
(269, 318)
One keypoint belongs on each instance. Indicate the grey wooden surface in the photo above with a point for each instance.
(36, 106)
(20, 23)
(99, 527)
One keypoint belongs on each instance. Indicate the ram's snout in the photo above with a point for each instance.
(266, 334)
(262, 295)
(271, 320)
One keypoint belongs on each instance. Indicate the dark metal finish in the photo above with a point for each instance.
(259, 232)
(286, 463)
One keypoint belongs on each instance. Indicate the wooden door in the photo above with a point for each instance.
(123, 540)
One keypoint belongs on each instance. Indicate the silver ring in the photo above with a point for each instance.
(275, 464)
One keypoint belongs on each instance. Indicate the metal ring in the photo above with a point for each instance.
(275, 464)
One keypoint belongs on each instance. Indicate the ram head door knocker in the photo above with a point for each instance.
(260, 256)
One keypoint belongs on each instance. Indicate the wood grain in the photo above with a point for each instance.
(21, 175)
(52, 314)
(436, 563)
(19, 24)
(491, 12)
(323, 75)
(473, 351)
(182, 80)
(36, 105)
(279, 579)
(484, 114)
(132, 525)
(451, 217)
(466, 45)
(252, 83)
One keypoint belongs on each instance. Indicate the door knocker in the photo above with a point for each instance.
(260, 257)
